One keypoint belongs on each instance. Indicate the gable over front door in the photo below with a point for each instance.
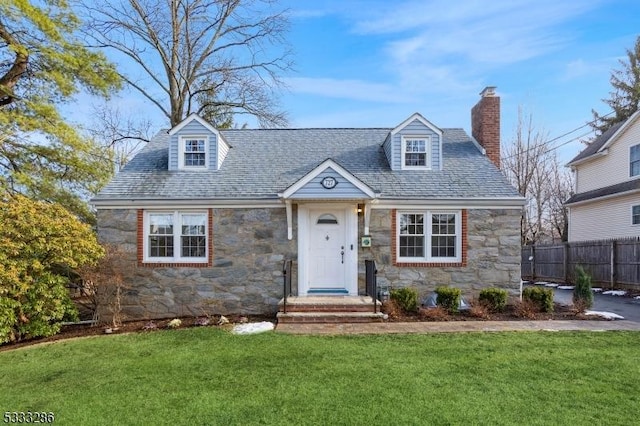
(328, 252)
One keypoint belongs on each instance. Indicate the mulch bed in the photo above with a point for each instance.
(143, 326)
(561, 312)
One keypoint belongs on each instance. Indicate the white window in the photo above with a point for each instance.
(429, 236)
(634, 161)
(635, 215)
(175, 237)
(193, 152)
(415, 152)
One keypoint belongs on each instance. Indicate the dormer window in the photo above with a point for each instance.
(415, 152)
(193, 152)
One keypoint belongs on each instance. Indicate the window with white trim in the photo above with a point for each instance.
(193, 152)
(429, 236)
(635, 215)
(634, 161)
(415, 152)
(175, 236)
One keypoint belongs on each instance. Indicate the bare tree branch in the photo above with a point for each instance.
(206, 56)
(537, 174)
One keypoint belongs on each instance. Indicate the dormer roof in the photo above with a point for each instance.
(411, 119)
(600, 145)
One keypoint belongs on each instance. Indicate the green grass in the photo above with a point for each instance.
(206, 376)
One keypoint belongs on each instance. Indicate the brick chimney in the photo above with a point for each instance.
(485, 123)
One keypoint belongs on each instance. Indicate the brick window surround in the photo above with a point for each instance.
(394, 246)
(140, 248)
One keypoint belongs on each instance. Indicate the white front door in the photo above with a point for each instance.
(329, 263)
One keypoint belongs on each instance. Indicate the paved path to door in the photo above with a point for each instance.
(457, 327)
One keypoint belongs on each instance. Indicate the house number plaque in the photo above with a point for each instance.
(329, 182)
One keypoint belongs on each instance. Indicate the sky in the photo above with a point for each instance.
(373, 63)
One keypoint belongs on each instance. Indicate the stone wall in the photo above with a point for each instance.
(493, 255)
(249, 246)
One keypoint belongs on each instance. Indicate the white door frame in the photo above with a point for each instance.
(351, 246)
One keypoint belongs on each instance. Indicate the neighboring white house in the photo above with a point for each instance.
(607, 174)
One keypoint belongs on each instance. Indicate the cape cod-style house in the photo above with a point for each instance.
(207, 216)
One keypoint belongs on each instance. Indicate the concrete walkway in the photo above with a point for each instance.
(456, 327)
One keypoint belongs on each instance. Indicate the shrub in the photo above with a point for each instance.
(526, 309)
(494, 298)
(479, 310)
(541, 297)
(41, 246)
(437, 313)
(391, 308)
(448, 298)
(406, 298)
(582, 295)
(108, 285)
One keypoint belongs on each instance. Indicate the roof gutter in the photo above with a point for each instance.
(589, 158)
(602, 198)
(273, 202)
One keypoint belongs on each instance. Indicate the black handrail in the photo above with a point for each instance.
(286, 276)
(371, 282)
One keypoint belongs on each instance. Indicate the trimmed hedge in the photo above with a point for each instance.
(448, 298)
(494, 298)
(541, 297)
(406, 298)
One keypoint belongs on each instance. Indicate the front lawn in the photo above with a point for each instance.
(207, 376)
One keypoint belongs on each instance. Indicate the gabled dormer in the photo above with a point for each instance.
(196, 145)
(416, 144)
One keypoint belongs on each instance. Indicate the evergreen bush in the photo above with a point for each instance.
(494, 298)
(448, 298)
(406, 298)
(541, 297)
(582, 294)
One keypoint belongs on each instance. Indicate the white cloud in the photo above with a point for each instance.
(451, 44)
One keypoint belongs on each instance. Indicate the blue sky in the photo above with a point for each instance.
(372, 63)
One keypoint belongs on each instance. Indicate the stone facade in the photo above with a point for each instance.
(493, 255)
(249, 246)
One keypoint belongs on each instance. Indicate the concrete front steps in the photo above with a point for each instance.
(329, 309)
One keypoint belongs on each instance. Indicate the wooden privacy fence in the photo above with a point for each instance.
(611, 263)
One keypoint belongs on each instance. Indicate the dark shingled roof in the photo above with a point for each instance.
(603, 192)
(263, 162)
(598, 143)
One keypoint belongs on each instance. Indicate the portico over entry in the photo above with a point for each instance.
(328, 199)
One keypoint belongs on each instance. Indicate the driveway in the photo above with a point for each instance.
(626, 306)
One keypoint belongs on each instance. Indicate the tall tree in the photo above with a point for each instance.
(212, 57)
(533, 168)
(560, 190)
(624, 99)
(42, 65)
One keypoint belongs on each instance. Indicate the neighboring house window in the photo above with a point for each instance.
(634, 158)
(635, 215)
(175, 237)
(429, 236)
(415, 152)
(193, 152)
